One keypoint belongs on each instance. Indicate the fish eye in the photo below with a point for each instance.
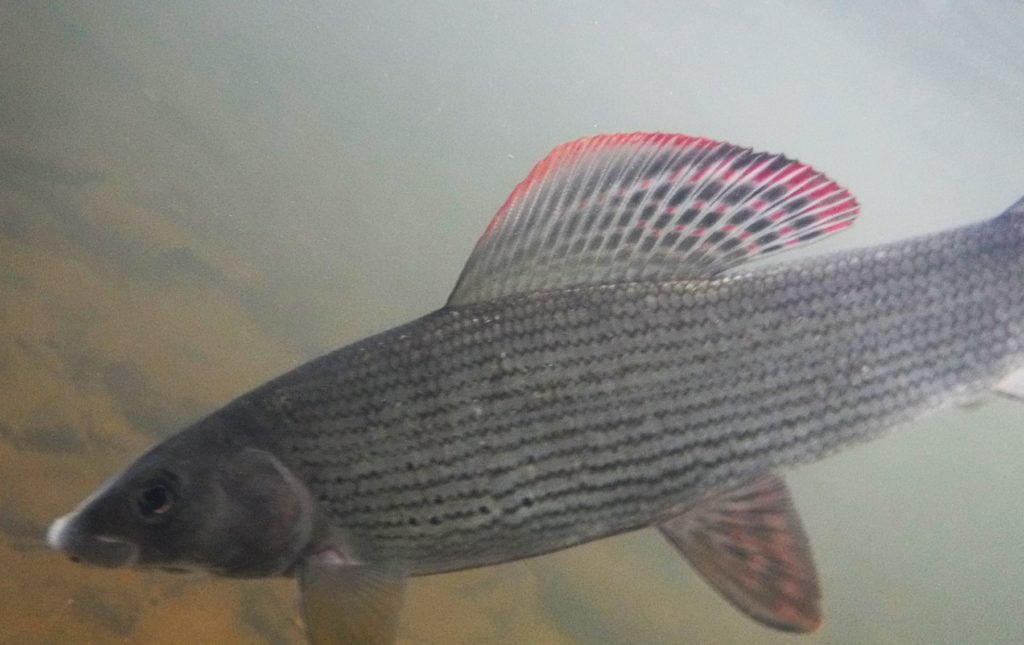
(154, 500)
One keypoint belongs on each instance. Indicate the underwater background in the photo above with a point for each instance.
(196, 197)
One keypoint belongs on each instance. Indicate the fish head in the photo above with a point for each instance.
(202, 500)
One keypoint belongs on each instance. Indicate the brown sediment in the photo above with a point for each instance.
(130, 299)
(118, 323)
(500, 604)
(93, 369)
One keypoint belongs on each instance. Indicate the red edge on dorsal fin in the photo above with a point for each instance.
(648, 206)
(567, 152)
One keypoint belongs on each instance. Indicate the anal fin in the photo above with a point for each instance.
(748, 543)
(349, 604)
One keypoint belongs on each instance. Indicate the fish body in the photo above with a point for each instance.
(501, 430)
(607, 362)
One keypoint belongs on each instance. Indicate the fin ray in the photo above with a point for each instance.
(748, 543)
(648, 206)
(349, 603)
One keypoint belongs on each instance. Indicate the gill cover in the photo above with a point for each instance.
(194, 503)
(264, 520)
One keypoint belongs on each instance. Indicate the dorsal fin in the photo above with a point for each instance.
(648, 206)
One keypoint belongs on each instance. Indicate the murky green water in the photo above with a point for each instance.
(195, 198)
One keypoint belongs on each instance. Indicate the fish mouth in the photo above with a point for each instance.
(100, 550)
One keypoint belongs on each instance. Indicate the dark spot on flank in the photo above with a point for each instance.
(741, 216)
(409, 465)
(413, 521)
(758, 225)
(435, 520)
(656, 167)
(773, 193)
(737, 194)
(485, 510)
(795, 205)
(711, 190)
(680, 196)
(745, 159)
(710, 219)
(689, 215)
(438, 499)
(688, 243)
(527, 502)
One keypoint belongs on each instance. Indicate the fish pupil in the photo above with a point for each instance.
(155, 500)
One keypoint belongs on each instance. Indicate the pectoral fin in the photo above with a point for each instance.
(345, 603)
(748, 544)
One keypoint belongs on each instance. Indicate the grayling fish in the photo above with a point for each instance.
(606, 362)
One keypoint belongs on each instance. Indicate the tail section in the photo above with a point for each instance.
(1012, 384)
